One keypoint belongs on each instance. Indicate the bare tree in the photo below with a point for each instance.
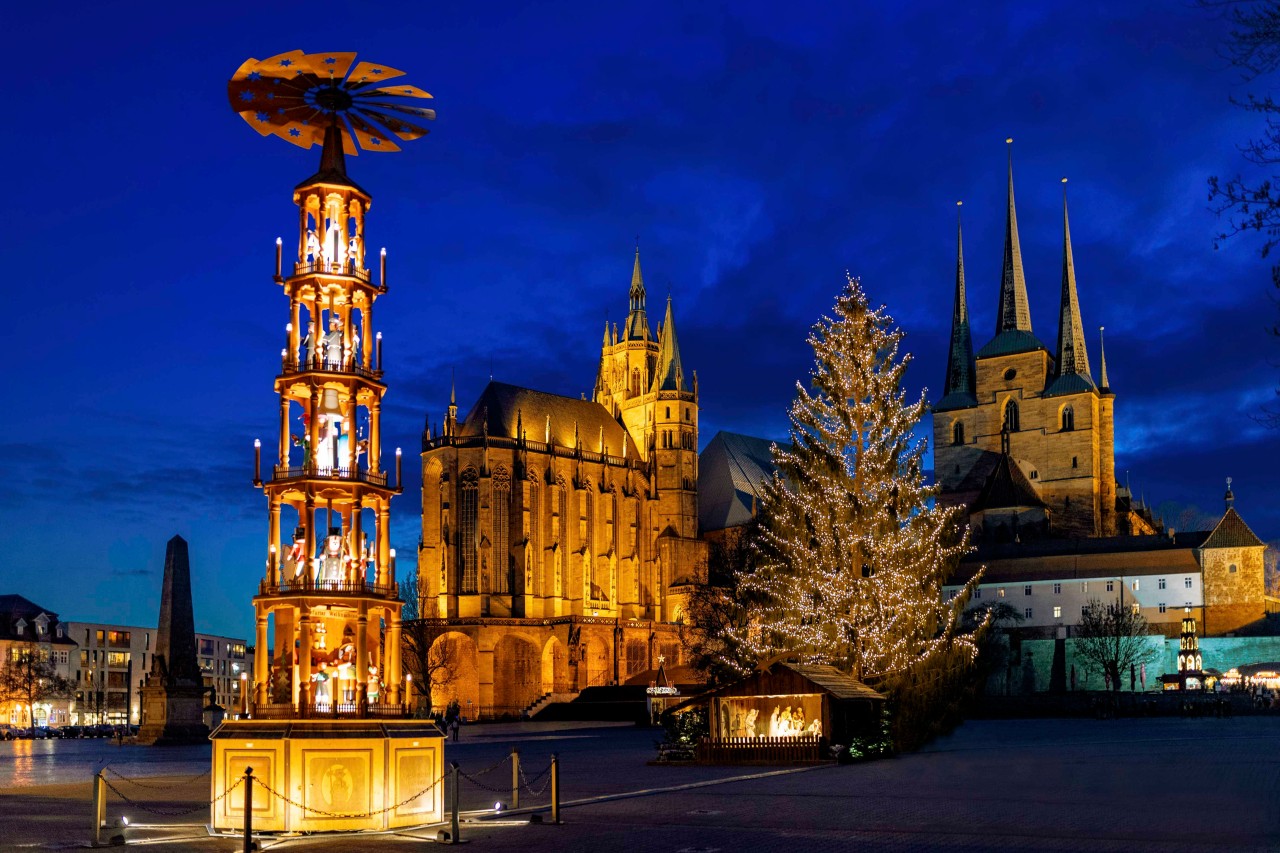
(1112, 638)
(29, 676)
(432, 664)
(1252, 204)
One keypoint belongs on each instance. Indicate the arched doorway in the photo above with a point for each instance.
(599, 667)
(555, 667)
(452, 670)
(637, 657)
(517, 675)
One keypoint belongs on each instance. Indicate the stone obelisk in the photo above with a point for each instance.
(173, 695)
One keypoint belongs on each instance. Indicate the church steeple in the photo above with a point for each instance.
(1073, 374)
(1013, 313)
(670, 373)
(1102, 347)
(637, 319)
(959, 390)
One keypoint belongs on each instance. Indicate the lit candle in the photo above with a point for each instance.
(398, 468)
(257, 461)
(279, 257)
(384, 266)
(378, 366)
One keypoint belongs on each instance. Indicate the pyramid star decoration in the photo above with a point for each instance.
(296, 95)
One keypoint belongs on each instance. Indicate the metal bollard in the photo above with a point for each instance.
(249, 846)
(99, 807)
(555, 788)
(453, 838)
(515, 778)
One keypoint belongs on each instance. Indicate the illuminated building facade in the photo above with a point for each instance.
(560, 535)
(1023, 439)
(26, 628)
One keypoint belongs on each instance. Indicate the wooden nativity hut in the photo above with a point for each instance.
(786, 713)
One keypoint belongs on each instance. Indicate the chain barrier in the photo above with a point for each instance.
(490, 788)
(493, 767)
(171, 812)
(184, 780)
(528, 783)
(345, 815)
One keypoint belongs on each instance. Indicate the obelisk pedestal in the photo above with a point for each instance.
(173, 694)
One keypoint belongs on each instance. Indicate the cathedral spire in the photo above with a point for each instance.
(670, 373)
(637, 319)
(959, 391)
(1073, 373)
(1013, 313)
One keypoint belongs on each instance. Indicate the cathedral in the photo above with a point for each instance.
(560, 535)
(1023, 440)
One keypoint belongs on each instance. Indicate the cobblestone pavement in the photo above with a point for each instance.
(1038, 785)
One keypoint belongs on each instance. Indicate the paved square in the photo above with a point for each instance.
(1044, 785)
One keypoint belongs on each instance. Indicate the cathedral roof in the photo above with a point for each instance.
(732, 471)
(568, 420)
(1006, 488)
(1069, 383)
(1011, 341)
(1232, 532)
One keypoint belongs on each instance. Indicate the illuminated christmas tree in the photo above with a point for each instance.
(853, 554)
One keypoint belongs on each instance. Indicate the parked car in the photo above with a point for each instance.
(103, 730)
(42, 732)
(71, 732)
(7, 732)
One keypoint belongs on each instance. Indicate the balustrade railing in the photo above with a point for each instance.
(364, 475)
(340, 710)
(357, 587)
(534, 446)
(303, 365)
(335, 268)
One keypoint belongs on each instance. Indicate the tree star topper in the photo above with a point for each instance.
(296, 95)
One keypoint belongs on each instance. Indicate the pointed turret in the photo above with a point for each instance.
(1102, 348)
(1073, 374)
(959, 391)
(1013, 314)
(637, 319)
(670, 373)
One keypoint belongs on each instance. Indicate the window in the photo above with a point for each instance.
(1135, 584)
(1160, 584)
(1075, 462)
(1111, 586)
(467, 520)
(117, 658)
(1186, 583)
(951, 596)
(1161, 607)
(1027, 612)
(101, 635)
(977, 593)
(500, 570)
(1084, 586)
(668, 413)
(1232, 568)
(1026, 590)
(1068, 419)
(1009, 374)
(1084, 608)
(1035, 475)
(957, 432)
(1057, 589)
(1057, 611)
(207, 647)
(1000, 592)
(1137, 608)
(1011, 416)
(1187, 604)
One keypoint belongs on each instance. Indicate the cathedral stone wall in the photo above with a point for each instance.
(1234, 587)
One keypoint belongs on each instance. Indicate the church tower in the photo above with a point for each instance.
(330, 584)
(1015, 401)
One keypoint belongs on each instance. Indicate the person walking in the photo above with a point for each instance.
(453, 728)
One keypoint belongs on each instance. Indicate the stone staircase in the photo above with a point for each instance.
(544, 701)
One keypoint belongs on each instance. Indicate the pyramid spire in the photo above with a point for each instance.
(959, 390)
(1102, 347)
(637, 319)
(670, 373)
(1073, 373)
(1013, 313)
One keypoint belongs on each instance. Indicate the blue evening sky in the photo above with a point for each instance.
(758, 150)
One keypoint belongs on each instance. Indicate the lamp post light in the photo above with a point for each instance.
(244, 694)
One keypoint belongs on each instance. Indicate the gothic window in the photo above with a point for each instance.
(1075, 462)
(501, 524)
(1231, 569)
(668, 413)
(468, 516)
(957, 433)
(1011, 416)
(1068, 419)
